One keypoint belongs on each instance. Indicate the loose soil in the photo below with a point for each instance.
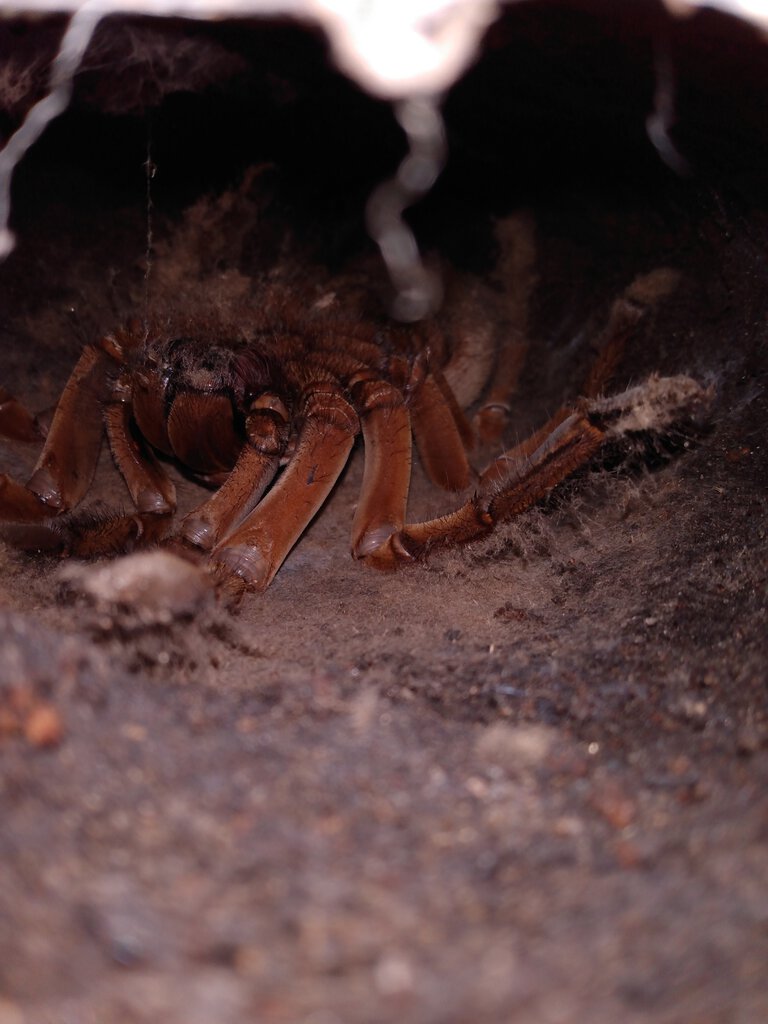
(523, 782)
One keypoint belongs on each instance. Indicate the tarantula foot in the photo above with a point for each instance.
(393, 553)
(369, 542)
(90, 533)
(46, 537)
(151, 529)
(230, 589)
(96, 532)
(491, 422)
(178, 545)
(245, 563)
(198, 533)
(20, 504)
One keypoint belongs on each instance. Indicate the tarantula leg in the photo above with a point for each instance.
(151, 491)
(65, 468)
(474, 348)
(258, 547)
(477, 358)
(16, 422)
(493, 415)
(463, 425)
(438, 437)
(522, 476)
(510, 485)
(68, 460)
(626, 313)
(266, 430)
(386, 427)
(19, 504)
(86, 533)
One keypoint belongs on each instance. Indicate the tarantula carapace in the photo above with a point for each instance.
(234, 406)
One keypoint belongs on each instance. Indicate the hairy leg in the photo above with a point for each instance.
(67, 462)
(386, 427)
(259, 545)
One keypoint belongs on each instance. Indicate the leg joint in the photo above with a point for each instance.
(328, 405)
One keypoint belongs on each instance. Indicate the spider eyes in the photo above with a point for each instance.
(173, 365)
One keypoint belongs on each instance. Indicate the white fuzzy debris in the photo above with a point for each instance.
(516, 747)
(654, 405)
(156, 584)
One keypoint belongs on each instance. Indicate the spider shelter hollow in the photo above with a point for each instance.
(514, 743)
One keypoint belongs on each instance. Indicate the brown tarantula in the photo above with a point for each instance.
(233, 407)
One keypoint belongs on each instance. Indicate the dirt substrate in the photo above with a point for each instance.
(526, 781)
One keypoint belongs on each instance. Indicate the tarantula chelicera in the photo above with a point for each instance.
(234, 406)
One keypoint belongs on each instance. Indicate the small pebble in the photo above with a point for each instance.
(614, 805)
(748, 740)
(43, 727)
(524, 746)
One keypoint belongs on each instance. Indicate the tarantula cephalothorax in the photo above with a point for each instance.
(233, 407)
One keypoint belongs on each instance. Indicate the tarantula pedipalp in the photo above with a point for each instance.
(233, 406)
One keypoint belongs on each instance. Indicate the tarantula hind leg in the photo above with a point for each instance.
(522, 476)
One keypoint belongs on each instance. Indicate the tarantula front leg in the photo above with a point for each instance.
(66, 465)
(266, 429)
(259, 545)
(386, 427)
(151, 491)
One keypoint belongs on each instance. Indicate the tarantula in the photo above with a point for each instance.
(234, 406)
